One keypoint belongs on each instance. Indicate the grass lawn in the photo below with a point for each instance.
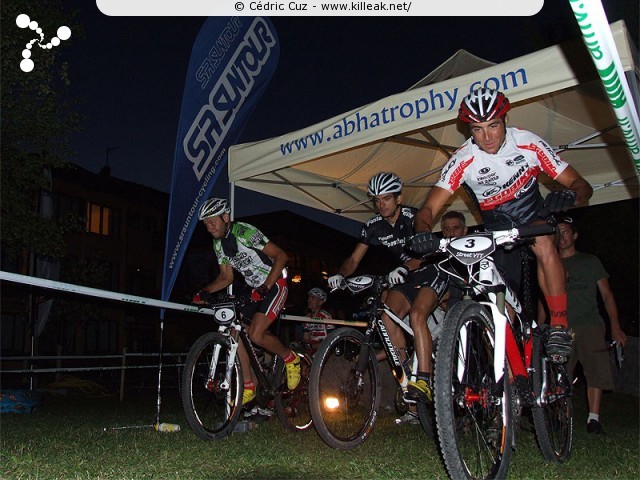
(65, 439)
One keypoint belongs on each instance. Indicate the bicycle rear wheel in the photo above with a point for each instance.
(473, 413)
(292, 406)
(553, 420)
(211, 399)
(344, 402)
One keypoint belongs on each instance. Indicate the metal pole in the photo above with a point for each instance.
(124, 364)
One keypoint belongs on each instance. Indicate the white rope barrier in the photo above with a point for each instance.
(95, 292)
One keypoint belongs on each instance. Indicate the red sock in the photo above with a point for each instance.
(249, 385)
(557, 309)
(291, 357)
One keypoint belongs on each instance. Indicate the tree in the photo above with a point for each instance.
(36, 122)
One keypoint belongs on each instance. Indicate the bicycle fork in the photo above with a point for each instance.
(225, 384)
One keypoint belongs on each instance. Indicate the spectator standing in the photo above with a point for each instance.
(585, 278)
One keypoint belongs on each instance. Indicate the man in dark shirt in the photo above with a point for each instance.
(416, 288)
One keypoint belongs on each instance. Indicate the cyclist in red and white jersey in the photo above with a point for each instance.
(499, 166)
(315, 333)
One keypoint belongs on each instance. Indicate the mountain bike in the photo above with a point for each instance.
(489, 366)
(212, 381)
(345, 386)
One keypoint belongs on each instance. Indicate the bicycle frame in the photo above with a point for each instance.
(485, 278)
(234, 332)
(491, 362)
(258, 368)
(376, 326)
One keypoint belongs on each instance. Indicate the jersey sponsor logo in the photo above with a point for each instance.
(447, 167)
(526, 188)
(516, 161)
(484, 171)
(551, 152)
(548, 163)
(241, 261)
(390, 241)
(256, 239)
(399, 241)
(491, 191)
(456, 176)
(371, 221)
(407, 212)
(489, 179)
(509, 193)
(514, 177)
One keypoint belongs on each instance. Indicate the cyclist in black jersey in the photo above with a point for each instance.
(417, 288)
(242, 247)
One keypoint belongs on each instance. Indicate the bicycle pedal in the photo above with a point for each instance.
(409, 399)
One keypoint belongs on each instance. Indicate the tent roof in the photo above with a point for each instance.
(460, 63)
(555, 92)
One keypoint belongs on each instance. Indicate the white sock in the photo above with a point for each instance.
(593, 416)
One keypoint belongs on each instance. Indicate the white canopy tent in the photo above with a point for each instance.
(555, 92)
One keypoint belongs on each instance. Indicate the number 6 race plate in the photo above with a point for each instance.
(224, 313)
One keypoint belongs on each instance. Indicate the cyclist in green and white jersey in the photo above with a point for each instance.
(242, 247)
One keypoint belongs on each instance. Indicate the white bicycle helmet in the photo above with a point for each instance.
(483, 105)
(383, 183)
(213, 207)
(318, 293)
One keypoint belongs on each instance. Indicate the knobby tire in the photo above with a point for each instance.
(473, 414)
(333, 375)
(211, 410)
(292, 406)
(553, 422)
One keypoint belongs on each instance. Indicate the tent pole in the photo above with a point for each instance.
(598, 39)
(232, 198)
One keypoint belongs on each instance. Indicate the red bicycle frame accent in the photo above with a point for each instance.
(519, 365)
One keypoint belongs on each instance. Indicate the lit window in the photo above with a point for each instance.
(98, 219)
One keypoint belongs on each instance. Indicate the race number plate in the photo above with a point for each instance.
(224, 313)
(472, 248)
(358, 284)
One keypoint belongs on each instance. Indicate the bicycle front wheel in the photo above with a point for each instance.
(211, 388)
(473, 412)
(292, 406)
(344, 401)
(553, 420)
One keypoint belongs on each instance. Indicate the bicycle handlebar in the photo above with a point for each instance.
(426, 243)
(224, 297)
(528, 231)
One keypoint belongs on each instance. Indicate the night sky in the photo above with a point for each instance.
(128, 72)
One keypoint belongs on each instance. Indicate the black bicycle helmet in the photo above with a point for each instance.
(383, 183)
(483, 105)
(213, 207)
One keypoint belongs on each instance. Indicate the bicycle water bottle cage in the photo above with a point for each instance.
(471, 249)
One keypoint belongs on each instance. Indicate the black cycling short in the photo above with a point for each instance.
(425, 277)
